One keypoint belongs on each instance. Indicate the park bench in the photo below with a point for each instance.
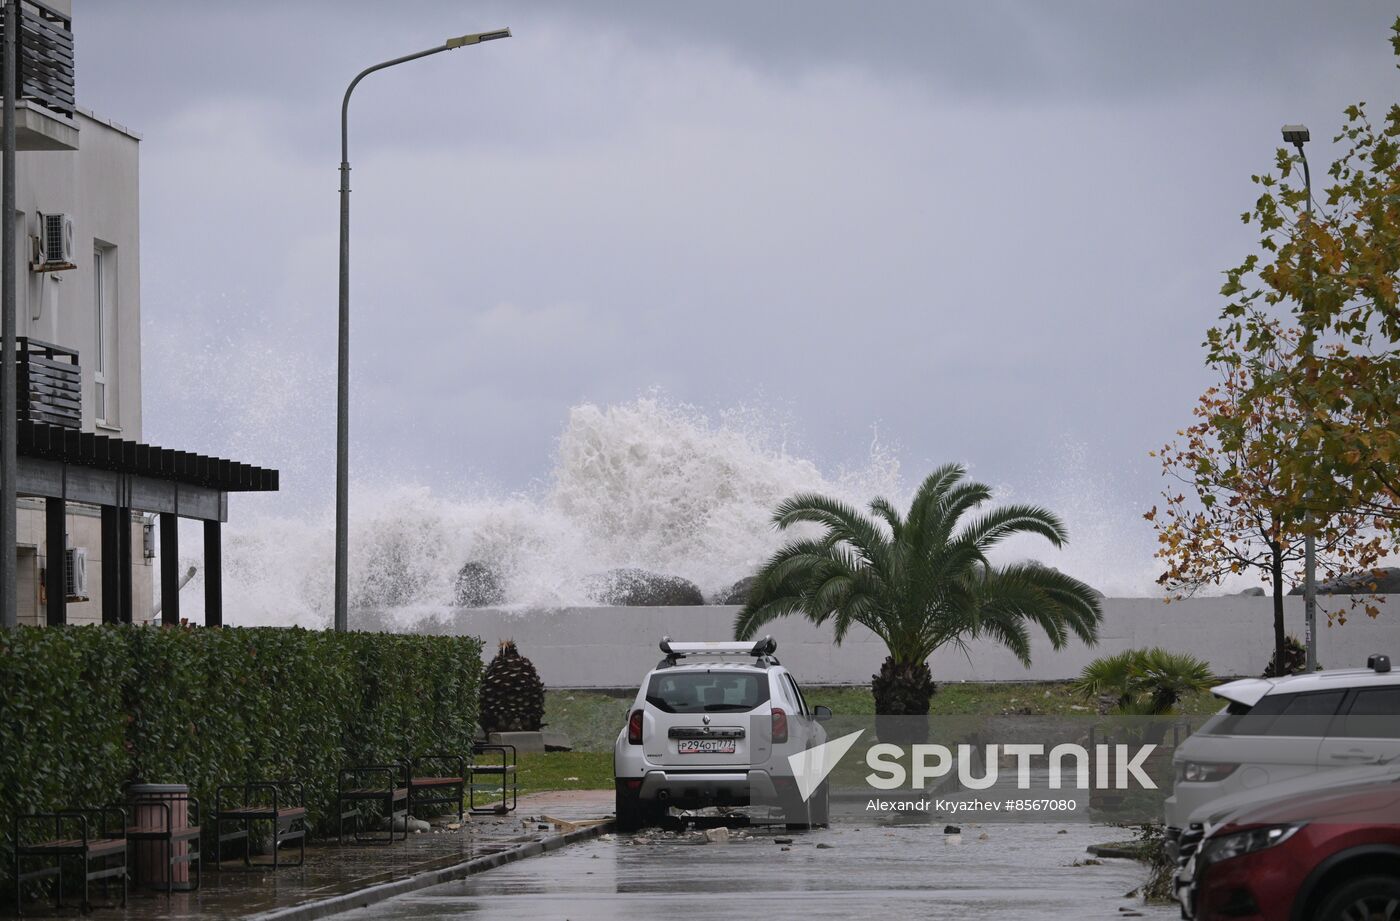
(436, 780)
(373, 784)
(492, 778)
(102, 851)
(281, 803)
(154, 831)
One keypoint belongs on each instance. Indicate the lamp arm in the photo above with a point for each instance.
(345, 104)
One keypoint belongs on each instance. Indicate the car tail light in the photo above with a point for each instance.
(634, 728)
(780, 731)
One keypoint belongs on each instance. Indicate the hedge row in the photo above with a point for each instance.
(86, 710)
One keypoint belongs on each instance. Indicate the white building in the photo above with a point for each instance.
(89, 487)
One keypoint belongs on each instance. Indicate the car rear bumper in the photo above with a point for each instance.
(715, 788)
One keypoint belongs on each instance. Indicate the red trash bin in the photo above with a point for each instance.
(149, 802)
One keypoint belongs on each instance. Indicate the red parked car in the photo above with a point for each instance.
(1321, 857)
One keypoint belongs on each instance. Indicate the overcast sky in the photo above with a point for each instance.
(992, 232)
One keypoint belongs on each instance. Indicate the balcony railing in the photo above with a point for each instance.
(49, 384)
(45, 56)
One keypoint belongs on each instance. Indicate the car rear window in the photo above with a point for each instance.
(707, 692)
(1278, 715)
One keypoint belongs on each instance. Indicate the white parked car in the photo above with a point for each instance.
(713, 725)
(1277, 730)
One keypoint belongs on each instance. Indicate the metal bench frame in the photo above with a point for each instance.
(87, 847)
(503, 775)
(363, 788)
(287, 815)
(445, 788)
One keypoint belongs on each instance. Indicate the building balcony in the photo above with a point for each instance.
(45, 103)
(48, 384)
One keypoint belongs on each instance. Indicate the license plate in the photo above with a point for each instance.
(705, 746)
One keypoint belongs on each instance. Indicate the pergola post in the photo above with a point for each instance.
(56, 561)
(169, 569)
(111, 565)
(213, 575)
(124, 564)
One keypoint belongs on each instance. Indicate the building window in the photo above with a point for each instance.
(104, 288)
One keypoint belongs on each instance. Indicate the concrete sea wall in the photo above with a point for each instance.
(612, 647)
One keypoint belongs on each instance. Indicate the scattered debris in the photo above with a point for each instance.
(952, 830)
(823, 846)
(782, 840)
(568, 825)
(717, 835)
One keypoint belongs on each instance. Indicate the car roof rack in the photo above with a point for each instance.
(762, 651)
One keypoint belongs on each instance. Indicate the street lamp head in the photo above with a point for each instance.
(1296, 134)
(477, 37)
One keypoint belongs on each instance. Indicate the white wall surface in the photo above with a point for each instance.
(98, 186)
(614, 647)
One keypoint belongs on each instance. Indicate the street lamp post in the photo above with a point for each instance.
(1298, 135)
(342, 432)
(9, 529)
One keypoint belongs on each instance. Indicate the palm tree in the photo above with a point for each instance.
(920, 582)
(1145, 682)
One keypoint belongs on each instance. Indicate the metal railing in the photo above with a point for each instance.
(49, 384)
(45, 57)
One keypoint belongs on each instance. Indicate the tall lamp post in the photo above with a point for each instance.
(9, 530)
(342, 432)
(1298, 135)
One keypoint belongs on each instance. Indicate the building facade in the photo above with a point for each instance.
(79, 173)
(91, 491)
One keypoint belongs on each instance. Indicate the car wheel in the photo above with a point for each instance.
(1370, 898)
(629, 811)
(814, 813)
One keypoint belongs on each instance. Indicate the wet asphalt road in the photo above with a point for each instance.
(1017, 871)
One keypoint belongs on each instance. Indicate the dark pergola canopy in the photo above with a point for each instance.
(70, 446)
(61, 465)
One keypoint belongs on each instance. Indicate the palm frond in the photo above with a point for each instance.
(1000, 523)
(931, 491)
(885, 509)
(841, 520)
(748, 621)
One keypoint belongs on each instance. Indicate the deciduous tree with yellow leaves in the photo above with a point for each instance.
(1303, 433)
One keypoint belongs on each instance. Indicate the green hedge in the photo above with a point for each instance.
(85, 710)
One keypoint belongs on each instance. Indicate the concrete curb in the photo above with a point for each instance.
(362, 898)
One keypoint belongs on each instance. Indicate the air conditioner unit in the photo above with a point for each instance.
(55, 243)
(75, 574)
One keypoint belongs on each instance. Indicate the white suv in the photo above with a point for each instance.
(1277, 729)
(713, 725)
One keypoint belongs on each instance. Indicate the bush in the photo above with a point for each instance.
(1295, 659)
(1144, 682)
(85, 710)
(637, 588)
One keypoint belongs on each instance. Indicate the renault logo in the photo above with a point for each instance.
(705, 720)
